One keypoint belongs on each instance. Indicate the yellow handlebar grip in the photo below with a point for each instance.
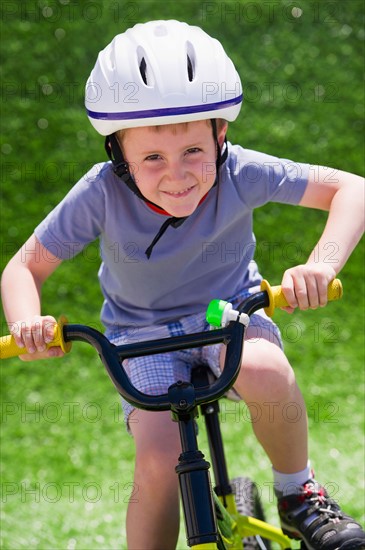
(277, 298)
(8, 347)
(335, 290)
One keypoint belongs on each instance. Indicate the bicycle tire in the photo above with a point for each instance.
(249, 503)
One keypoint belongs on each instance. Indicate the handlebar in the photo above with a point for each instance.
(231, 334)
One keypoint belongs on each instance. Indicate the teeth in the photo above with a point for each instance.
(179, 192)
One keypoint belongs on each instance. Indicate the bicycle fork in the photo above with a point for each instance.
(193, 472)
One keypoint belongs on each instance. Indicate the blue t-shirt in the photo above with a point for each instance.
(209, 256)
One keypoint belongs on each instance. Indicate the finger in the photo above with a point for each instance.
(287, 286)
(49, 324)
(37, 333)
(48, 354)
(295, 289)
(15, 331)
(301, 292)
(26, 357)
(288, 309)
(27, 336)
(312, 292)
(55, 352)
(323, 292)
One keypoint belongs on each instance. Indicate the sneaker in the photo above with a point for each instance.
(311, 516)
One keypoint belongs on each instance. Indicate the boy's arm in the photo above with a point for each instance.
(21, 285)
(342, 194)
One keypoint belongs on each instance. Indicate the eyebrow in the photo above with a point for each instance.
(156, 151)
(175, 126)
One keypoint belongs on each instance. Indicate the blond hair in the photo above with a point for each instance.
(221, 123)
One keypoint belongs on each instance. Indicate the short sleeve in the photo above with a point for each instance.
(262, 178)
(77, 220)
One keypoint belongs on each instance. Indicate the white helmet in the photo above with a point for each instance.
(161, 72)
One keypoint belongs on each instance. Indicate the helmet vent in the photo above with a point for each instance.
(191, 61)
(143, 70)
(190, 69)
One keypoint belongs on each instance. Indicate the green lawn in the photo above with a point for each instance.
(66, 461)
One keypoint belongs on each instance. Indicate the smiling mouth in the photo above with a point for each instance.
(181, 193)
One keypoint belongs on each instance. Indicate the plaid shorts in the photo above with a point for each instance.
(155, 373)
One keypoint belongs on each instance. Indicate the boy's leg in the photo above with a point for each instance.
(153, 521)
(267, 384)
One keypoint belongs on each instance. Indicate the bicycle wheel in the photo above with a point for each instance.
(249, 503)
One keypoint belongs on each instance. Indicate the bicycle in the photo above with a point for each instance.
(230, 516)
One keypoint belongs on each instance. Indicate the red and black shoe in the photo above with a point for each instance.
(311, 516)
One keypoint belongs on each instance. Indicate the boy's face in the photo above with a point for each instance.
(173, 165)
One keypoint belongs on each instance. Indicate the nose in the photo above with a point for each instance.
(176, 171)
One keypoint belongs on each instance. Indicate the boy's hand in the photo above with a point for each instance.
(34, 334)
(305, 286)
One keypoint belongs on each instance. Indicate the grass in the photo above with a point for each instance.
(66, 461)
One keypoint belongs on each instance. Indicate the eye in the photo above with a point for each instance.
(193, 150)
(153, 157)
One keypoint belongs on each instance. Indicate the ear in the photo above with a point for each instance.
(221, 136)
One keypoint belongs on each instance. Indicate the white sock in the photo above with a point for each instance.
(288, 484)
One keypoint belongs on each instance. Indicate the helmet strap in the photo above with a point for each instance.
(221, 157)
(120, 166)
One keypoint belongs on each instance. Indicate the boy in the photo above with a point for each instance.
(162, 94)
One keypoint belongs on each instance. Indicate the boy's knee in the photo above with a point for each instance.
(266, 373)
(157, 463)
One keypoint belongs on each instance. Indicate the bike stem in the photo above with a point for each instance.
(192, 469)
